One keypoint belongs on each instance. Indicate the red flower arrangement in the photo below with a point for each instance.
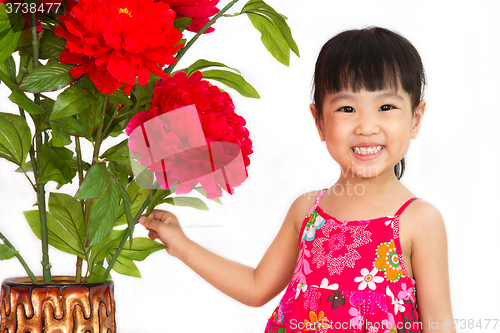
(119, 42)
(199, 10)
(210, 146)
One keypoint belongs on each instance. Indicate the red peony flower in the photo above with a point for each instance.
(117, 42)
(207, 145)
(199, 10)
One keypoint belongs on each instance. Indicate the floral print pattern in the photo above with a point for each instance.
(398, 303)
(388, 260)
(311, 298)
(369, 279)
(316, 322)
(336, 298)
(314, 221)
(357, 319)
(338, 248)
(389, 324)
(406, 293)
(302, 267)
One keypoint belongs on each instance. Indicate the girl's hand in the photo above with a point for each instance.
(164, 225)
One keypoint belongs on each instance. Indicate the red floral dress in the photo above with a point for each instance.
(349, 277)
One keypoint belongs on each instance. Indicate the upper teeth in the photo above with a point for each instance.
(367, 150)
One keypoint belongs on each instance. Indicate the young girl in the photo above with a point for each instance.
(357, 256)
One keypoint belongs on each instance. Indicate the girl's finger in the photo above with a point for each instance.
(153, 235)
(160, 215)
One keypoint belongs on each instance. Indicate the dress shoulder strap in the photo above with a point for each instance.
(316, 203)
(402, 208)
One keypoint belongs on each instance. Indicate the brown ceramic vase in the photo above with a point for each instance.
(61, 307)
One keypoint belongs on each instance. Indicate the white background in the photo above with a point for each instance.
(453, 164)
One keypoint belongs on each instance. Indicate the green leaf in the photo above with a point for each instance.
(99, 274)
(60, 137)
(126, 267)
(91, 118)
(55, 165)
(117, 171)
(160, 195)
(72, 126)
(137, 197)
(118, 150)
(271, 37)
(15, 138)
(186, 201)
(232, 80)
(51, 45)
(143, 176)
(7, 252)
(68, 212)
(25, 64)
(70, 102)
(4, 69)
(120, 154)
(47, 104)
(57, 237)
(141, 248)
(204, 193)
(48, 78)
(9, 35)
(95, 182)
(102, 250)
(8, 82)
(119, 98)
(25, 103)
(103, 215)
(202, 63)
(279, 20)
(142, 95)
(127, 207)
(182, 23)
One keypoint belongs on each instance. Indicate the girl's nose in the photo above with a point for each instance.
(367, 124)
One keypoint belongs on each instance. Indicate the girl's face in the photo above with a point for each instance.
(368, 132)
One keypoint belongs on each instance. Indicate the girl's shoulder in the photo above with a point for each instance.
(421, 211)
(301, 206)
(422, 219)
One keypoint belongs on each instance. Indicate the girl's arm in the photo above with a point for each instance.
(430, 269)
(250, 286)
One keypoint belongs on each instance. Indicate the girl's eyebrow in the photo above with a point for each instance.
(391, 94)
(342, 96)
(352, 96)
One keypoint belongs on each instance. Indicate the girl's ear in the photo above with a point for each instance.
(417, 118)
(319, 126)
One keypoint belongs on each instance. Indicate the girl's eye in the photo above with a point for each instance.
(347, 109)
(386, 108)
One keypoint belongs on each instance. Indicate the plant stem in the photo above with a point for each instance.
(100, 133)
(110, 121)
(79, 164)
(124, 239)
(20, 258)
(182, 51)
(47, 279)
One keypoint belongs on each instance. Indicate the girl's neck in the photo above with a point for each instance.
(353, 186)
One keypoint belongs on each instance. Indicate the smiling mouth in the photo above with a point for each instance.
(367, 150)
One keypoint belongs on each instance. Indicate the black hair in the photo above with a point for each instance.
(373, 59)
